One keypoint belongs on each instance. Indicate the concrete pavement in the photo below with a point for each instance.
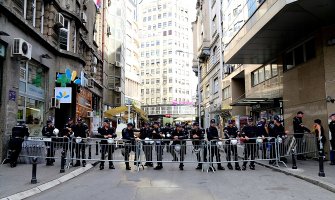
(188, 184)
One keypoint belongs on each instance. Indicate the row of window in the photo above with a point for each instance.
(264, 73)
(299, 54)
(164, 15)
(215, 88)
(164, 100)
(158, 90)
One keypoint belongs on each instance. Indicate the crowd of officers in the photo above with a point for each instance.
(173, 140)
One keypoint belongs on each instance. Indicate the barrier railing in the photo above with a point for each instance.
(204, 154)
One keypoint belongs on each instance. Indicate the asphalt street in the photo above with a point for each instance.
(171, 183)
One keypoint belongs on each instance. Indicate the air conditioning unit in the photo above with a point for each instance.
(59, 20)
(90, 83)
(90, 114)
(54, 103)
(118, 89)
(117, 64)
(94, 61)
(21, 48)
(83, 17)
(227, 69)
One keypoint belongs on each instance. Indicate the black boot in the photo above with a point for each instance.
(181, 167)
(237, 167)
(220, 167)
(127, 166)
(199, 166)
(77, 164)
(244, 167)
(102, 167)
(252, 167)
(230, 166)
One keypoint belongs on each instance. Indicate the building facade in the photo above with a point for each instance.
(166, 59)
(48, 47)
(207, 33)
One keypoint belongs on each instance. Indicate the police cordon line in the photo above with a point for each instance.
(153, 144)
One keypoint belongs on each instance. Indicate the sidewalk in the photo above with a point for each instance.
(308, 170)
(16, 180)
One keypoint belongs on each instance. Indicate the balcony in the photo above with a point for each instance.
(275, 26)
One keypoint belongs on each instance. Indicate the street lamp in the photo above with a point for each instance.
(199, 81)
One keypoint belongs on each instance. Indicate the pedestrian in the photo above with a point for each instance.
(129, 140)
(198, 136)
(179, 145)
(213, 138)
(248, 134)
(320, 136)
(15, 143)
(106, 132)
(231, 132)
(299, 130)
(157, 135)
(146, 136)
(81, 131)
(332, 138)
(48, 131)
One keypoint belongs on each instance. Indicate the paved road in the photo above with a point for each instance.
(188, 184)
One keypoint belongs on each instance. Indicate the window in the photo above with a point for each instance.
(216, 85)
(207, 91)
(264, 73)
(164, 33)
(170, 32)
(214, 25)
(64, 35)
(299, 54)
(226, 92)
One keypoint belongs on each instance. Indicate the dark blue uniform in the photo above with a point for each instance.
(231, 132)
(213, 137)
(146, 132)
(249, 131)
(159, 146)
(105, 131)
(47, 131)
(182, 135)
(80, 130)
(129, 139)
(199, 144)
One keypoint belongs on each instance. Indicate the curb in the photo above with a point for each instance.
(48, 185)
(328, 186)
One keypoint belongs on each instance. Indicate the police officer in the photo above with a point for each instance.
(145, 132)
(276, 132)
(48, 131)
(129, 139)
(231, 132)
(213, 137)
(15, 143)
(198, 135)
(262, 132)
(299, 130)
(332, 141)
(67, 133)
(158, 135)
(178, 135)
(106, 132)
(167, 131)
(82, 131)
(249, 132)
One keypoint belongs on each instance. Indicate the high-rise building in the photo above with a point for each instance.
(132, 56)
(166, 59)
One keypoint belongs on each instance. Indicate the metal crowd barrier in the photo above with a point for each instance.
(151, 152)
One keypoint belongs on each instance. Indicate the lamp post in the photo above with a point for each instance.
(199, 81)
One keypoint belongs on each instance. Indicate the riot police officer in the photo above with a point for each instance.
(332, 141)
(213, 137)
(129, 140)
(106, 132)
(48, 131)
(81, 131)
(178, 135)
(231, 132)
(167, 131)
(145, 134)
(67, 133)
(263, 132)
(299, 130)
(15, 143)
(249, 132)
(276, 131)
(198, 135)
(158, 135)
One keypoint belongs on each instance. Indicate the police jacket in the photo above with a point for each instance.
(199, 132)
(156, 133)
(145, 133)
(298, 127)
(182, 135)
(47, 131)
(212, 133)
(332, 129)
(231, 132)
(81, 130)
(167, 130)
(250, 131)
(261, 131)
(278, 131)
(66, 132)
(106, 131)
(128, 135)
(20, 131)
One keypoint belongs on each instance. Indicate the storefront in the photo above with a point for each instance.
(84, 105)
(31, 99)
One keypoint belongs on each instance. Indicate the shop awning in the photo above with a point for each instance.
(252, 101)
(114, 111)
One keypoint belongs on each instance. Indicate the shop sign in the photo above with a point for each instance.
(2, 50)
(63, 94)
(67, 78)
(35, 91)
